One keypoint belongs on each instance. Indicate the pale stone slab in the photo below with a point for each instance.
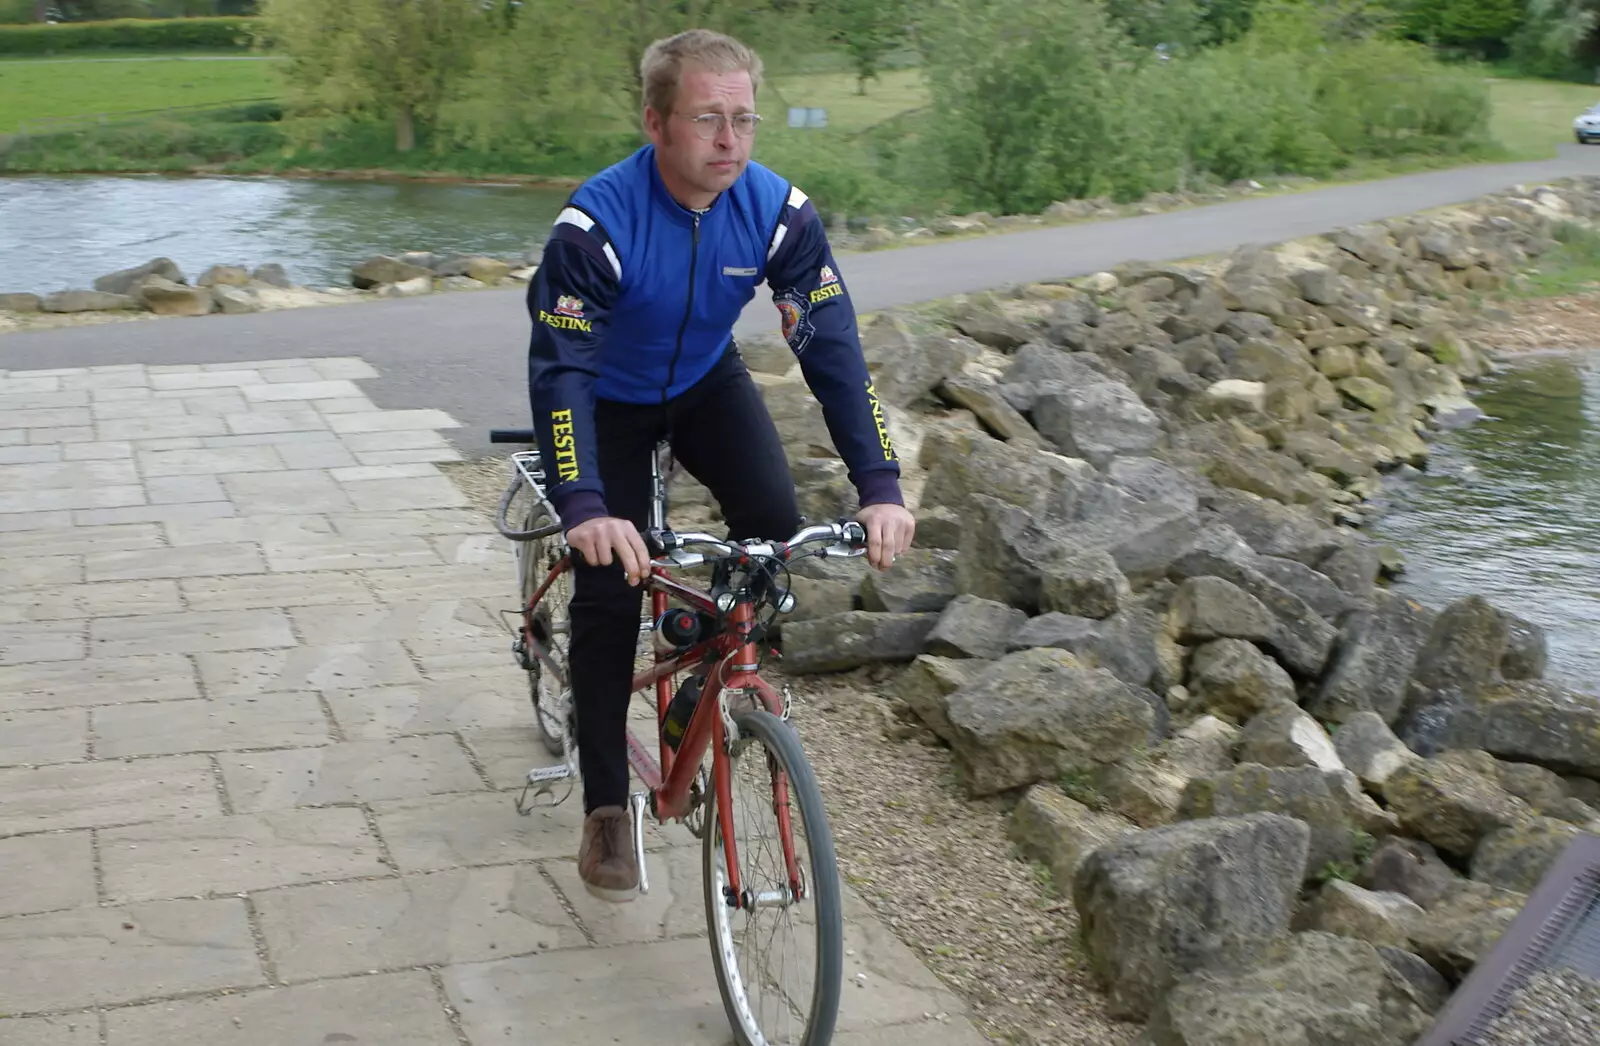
(11, 522)
(258, 365)
(352, 772)
(190, 561)
(73, 1029)
(436, 706)
(166, 490)
(298, 491)
(69, 540)
(141, 408)
(316, 455)
(158, 426)
(453, 581)
(24, 382)
(477, 548)
(302, 437)
(210, 725)
(34, 738)
(114, 393)
(449, 831)
(191, 632)
(61, 434)
(99, 956)
(225, 461)
(508, 753)
(440, 619)
(884, 982)
(402, 457)
(374, 526)
(440, 917)
(211, 404)
(65, 475)
(300, 390)
(168, 443)
(55, 499)
(366, 472)
(10, 401)
(253, 528)
(344, 406)
(383, 421)
(91, 795)
(94, 682)
(44, 873)
(205, 380)
(393, 1009)
(343, 554)
(28, 455)
(99, 450)
(109, 598)
(42, 641)
(457, 660)
(352, 665)
(955, 1030)
(346, 368)
(179, 513)
(275, 590)
(183, 857)
(13, 437)
(39, 571)
(411, 439)
(283, 420)
(391, 495)
(56, 417)
(673, 908)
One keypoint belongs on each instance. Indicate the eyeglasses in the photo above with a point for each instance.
(709, 125)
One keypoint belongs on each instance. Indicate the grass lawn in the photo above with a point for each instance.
(34, 88)
(896, 91)
(1531, 117)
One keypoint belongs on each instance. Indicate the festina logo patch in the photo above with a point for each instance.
(566, 305)
(828, 276)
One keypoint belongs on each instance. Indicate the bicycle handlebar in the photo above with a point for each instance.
(849, 539)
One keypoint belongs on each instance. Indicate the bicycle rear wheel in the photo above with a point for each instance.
(551, 696)
(778, 959)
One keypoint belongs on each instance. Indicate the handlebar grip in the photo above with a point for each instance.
(512, 436)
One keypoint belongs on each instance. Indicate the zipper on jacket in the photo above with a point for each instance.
(672, 368)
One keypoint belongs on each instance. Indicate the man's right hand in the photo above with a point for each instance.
(603, 537)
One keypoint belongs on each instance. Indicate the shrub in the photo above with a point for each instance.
(165, 34)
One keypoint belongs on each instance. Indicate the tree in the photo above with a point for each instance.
(397, 60)
(868, 30)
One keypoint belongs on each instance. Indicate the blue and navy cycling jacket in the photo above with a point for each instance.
(635, 300)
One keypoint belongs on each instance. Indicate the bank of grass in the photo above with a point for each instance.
(1530, 117)
(1571, 268)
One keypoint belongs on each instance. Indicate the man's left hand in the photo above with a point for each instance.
(889, 529)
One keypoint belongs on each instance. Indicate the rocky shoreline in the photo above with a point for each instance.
(1286, 804)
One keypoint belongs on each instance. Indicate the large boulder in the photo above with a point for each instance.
(927, 683)
(1314, 989)
(1234, 678)
(906, 366)
(852, 639)
(1408, 867)
(383, 269)
(1299, 638)
(1452, 800)
(1147, 787)
(1162, 903)
(1300, 792)
(1272, 528)
(1374, 659)
(922, 580)
(1534, 722)
(1084, 583)
(1460, 928)
(1517, 857)
(1375, 917)
(1097, 422)
(1369, 749)
(1037, 714)
(23, 302)
(1284, 735)
(984, 398)
(127, 281)
(1208, 608)
(1049, 826)
(970, 626)
(166, 298)
(88, 301)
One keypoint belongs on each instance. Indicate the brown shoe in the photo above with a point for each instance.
(605, 856)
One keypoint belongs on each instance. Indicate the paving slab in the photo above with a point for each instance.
(78, 1029)
(352, 772)
(36, 738)
(306, 668)
(324, 588)
(190, 561)
(88, 795)
(64, 539)
(105, 599)
(42, 641)
(431, 707)
(98, 956)
(17, 573)
(46, 872)
(393, 1009)
(64, 684)
(292, 490)
(190, 632)
(217, 724)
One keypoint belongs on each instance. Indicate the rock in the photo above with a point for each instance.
(1354, 569)
(822, 487)
(1037, 714)
(1049, 826)
(992, 329)
(983, 398)
(234, 301)
(1365, 392)
(1234, 395)
(126, 281)
(88, 301)
(1517, 858)
(487, 270)
(1017, 475)
(906, 367)
(852, 639)
(1409, 867)
(820, 597)
(1464, 648)
(921, 580)
(1535, 722)
(1272, 528)
(1235, 679)
(1411, 973)
(224, 276)
(970, 626)
(412, 288)
(1460, 928)
(1527, 651)
(273, 274)
(797, 416)
(1063, 631)
(1206, 608)
(1543, 790)
(1040, 368)
(767, 353)
(938, 527)
(1147, 788)
(1097, 422)
(383, 269)
(1299, 639)
(165, 298)
(1001, 547)
(457, 283)
(1314, 989)
(1377, 918)
(1312, 586)
(1369, 749)
(20, 302)
(1284, 735)
(1265, 473)
(1300, 792)
(927, 683)
(1452, 800)
(1084, 584)
(1374, 660)
(1159, 904)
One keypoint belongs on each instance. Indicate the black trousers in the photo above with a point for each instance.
(721, 433)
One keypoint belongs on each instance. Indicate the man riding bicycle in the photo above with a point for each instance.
(633, 305)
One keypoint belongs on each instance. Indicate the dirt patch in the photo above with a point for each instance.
(936, 867)
(1568, 321)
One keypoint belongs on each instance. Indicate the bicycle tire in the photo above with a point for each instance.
(783, 747)
(551, 706)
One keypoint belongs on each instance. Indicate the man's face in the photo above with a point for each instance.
(703, 167)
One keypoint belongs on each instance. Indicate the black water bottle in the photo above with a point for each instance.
(679, 709)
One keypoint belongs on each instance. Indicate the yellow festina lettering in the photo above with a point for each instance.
(569, 323)
(877, 419)
(824, 293)
(566, 445)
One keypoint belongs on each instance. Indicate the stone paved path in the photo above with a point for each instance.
(260, 736)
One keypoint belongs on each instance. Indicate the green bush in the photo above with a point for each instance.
(164, 34)
(1385, 98)
(156, 145)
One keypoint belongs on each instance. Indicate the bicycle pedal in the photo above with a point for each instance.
(636, 806)
(542, 783)
(541, 774)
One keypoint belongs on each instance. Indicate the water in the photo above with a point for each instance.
(1510, 509)
(63, 231)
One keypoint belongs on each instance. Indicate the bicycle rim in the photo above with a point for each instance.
(780, 962)
(549, 695)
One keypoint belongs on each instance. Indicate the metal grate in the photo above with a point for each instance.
(1558, 927)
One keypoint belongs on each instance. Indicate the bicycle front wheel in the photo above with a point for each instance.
(779, 957)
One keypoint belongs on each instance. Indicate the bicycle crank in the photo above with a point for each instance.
(636, 807)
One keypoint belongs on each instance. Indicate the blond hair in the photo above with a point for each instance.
(661, 67)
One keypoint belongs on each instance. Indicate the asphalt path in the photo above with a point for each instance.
(465, 353)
